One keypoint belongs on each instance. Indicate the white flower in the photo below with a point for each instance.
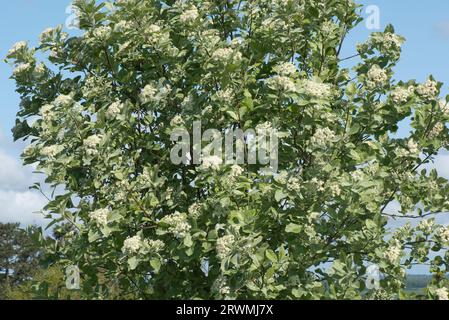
(17, 48)
(401, 95)
(47, 35)
(63, 101)
(225, 96)
(224, 246)
(212, 162)
(436, 130)
(177, 121)
(376, 77)
(155, 245)
(443, 233)
(189, 15)
(154, 28)
(317, 90)
(391, 40)
(225, 55)
(51, 151)
(148, 93)
(285, 69)
(40, 70)
(21, 69)
(91, 144)
(444, 107)
(132, 245)
(195, 210)
(102, 33)
(281, 83)
(428, 90)
(442, 294)
(114, 110)
(413, 147)
(236, 170)
(335, 190)
(323, 137)
(178, 224)
(393, 253)
(100, 216)
(293, 184)
(426, 226)
(47, 112)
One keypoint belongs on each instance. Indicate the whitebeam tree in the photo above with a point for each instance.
(99, 109)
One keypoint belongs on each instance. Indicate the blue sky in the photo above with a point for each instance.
(424, 24)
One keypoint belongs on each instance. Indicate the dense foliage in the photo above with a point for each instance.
(100, 107)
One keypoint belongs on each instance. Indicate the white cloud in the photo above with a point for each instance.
(17, 202)
(21, 207)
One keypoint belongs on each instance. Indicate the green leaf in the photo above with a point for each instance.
(133, 262)
(155, 264)
(271, 255)
(293, 228)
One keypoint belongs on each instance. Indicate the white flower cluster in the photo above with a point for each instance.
(51, 151)
(426, 226)
(236, 171)
(22, 69)
(281, 178)
(47, 112)
(195, 210)
(317, 90)
(428, 90)
(328, 27)
(47, 35)
(189, 15)
(155, 245)
(91, 144)
(319, 184)
(114, 110)
(152, 93)
(226, 55)
(393, 253)
(96, 87)
(63, 101)
(285, 69)
(376, 77)
(442, 294)
(132, 245)
(413, 147)
(225, 96)
(177, 121)
(436, 130)
(391, 41)
(211, 162)
(335, 190)
(102, 33)
(281, 83)
(444, 107)
(17, 48)
(401, 95)
(224, 246)
(178, 224)
(100, 216)
(323, 137)
(443, 233)
(293, 184)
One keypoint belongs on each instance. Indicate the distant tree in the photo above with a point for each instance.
(19, 255)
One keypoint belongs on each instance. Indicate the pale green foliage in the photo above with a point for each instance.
(105, 106)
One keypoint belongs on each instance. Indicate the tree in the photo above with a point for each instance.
(19, 256)
(105, 103)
